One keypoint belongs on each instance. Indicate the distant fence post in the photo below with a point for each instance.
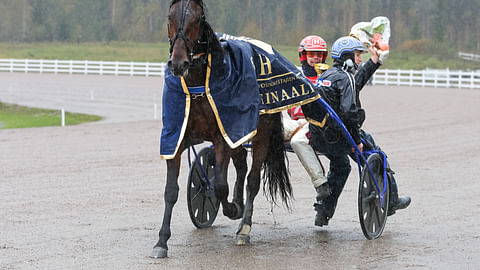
(163, 65)
(398, 77)
(423, 78)
(448, 78)
(472, 79)
(386, 76)
(63, 117)
(411, 77)
(460, 79)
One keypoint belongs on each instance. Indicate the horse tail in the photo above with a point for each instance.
(275, 170)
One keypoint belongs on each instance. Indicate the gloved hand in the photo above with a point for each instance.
(382, 55)
(321, 67)
(374, 55)
(377, 55)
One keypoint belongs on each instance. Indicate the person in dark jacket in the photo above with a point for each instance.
(340, 87)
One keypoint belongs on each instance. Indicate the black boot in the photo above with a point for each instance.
(323, 191)
(321, 218)
(400, 203)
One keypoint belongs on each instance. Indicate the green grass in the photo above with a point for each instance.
(113, 51)
(15, 116)
(430, 56)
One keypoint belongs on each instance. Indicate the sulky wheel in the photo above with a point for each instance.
(373, 216)
(202, 203)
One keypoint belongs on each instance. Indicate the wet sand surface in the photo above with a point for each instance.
(91, 196)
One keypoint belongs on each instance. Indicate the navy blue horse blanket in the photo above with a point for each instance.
(251, 78)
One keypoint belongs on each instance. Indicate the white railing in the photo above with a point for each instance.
(427, 78)
(424, 78)
(82, 67)
(469, 56)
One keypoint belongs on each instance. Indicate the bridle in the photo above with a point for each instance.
(196, 52)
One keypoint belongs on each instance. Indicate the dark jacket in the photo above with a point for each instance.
(341, 90)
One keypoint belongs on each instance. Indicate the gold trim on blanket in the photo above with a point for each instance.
(276, 76)
(185, 119)
(217, 116)
(286, 107)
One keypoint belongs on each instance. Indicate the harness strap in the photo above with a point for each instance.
(298, 128)
(196, 89)
(198, 55)
(181, 34)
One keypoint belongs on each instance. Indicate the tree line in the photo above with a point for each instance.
(453, 23)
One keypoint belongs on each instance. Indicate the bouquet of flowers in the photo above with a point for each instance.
(374, 33)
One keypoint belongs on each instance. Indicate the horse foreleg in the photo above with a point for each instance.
(171, 195)
(222, 156)
(253, 186)
(239, 158)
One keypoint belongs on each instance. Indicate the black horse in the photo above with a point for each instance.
(192, 40)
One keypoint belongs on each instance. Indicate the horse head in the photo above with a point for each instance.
(186, 33)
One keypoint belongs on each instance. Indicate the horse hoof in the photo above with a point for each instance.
(159, 252)
(243, 235)
(239, 208)
(233, 211)
(242, 240)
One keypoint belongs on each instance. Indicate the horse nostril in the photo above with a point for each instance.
(186, 64)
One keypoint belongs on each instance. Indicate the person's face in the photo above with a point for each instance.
(358, 57)
(314, 57)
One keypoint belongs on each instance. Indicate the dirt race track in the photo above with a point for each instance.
(91, 196)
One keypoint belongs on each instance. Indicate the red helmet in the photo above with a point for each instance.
(312, 43)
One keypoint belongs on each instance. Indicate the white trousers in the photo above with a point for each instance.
(303, 150)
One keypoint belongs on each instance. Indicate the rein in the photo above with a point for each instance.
(194, 53)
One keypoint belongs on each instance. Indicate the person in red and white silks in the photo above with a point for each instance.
(296, 131)
(312, 51)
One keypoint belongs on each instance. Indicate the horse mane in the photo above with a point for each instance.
(209, 34)
(214, 44)
(198, 2)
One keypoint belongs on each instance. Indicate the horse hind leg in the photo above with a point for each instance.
(268, 151)
(253, 186)
(259, 149)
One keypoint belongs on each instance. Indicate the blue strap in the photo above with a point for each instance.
(196, 89)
